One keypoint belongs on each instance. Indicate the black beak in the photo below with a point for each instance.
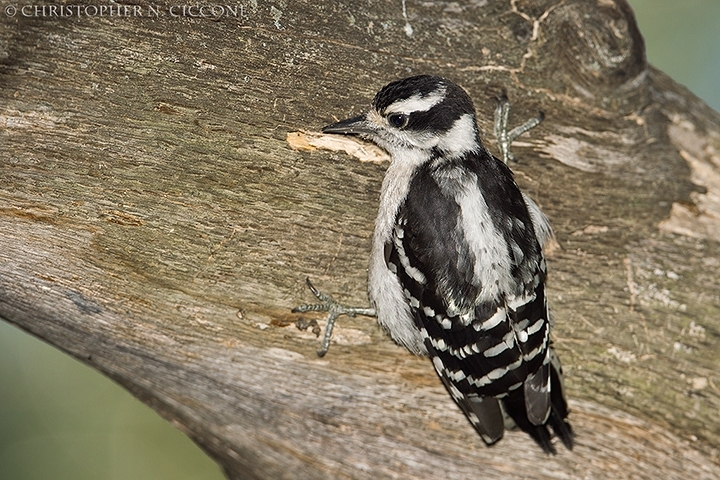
(352, 126)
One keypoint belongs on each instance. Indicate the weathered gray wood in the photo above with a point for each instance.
(156, 225)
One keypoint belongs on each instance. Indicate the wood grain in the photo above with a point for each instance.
(156, 224)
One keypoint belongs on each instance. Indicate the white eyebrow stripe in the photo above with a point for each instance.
(417, 102)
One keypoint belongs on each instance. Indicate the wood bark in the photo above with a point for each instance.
(157, 225)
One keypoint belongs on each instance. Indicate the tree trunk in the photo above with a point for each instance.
(157, 225)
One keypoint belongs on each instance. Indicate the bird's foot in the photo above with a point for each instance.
(334, 310)
(505, 137)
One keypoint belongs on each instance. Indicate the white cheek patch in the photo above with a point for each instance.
(461, 138)
(418, 102)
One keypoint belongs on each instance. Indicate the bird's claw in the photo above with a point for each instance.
(505, 137)
(334, 310)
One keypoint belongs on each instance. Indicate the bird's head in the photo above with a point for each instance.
(417, 113)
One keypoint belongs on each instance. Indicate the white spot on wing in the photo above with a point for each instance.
(439, 366)
(457, 394)
(514, 386)
(439, 344)
(516, 302)
(494, 374)
(535, 327)
(540, 348)
(522, 336)
(412, 272)
(534, 352)
(507, 343)
(493, 321)
(457, 376)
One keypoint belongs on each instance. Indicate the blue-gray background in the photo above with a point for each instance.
(61, 420)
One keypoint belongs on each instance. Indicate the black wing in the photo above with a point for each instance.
(483, 348)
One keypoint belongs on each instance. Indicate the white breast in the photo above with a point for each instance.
(384, 288)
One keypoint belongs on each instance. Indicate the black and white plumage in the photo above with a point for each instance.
(457, 269)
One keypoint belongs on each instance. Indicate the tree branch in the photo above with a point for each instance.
(157, 225)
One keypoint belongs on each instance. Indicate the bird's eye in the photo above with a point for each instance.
(398, 120)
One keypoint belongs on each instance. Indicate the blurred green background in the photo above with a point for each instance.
(682, 38)
(61, 420)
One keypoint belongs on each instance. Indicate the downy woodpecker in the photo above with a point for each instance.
(457, 269)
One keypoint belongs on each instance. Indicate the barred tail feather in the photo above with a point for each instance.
(537, 390)
(515, 405)
(559, 412)
(489, 416)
